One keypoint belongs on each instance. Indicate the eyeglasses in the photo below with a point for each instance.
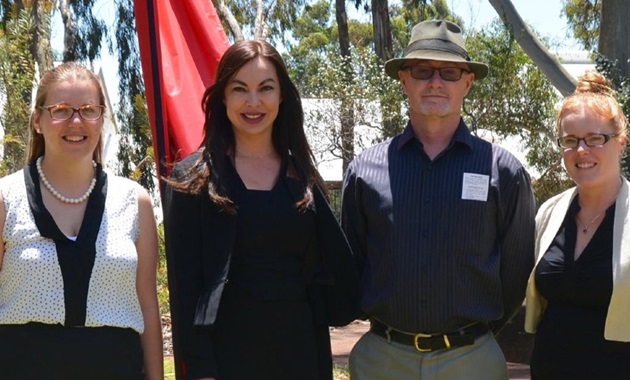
(598, 139)
(63, 112)
(450, 74)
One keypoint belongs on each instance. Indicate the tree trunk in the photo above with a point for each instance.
(613, 30)
(260, 21)
(347, 103)
(41, 49)
(546, 62)
(227, 16)
(69, 29)
(382, 29)
(384, 50)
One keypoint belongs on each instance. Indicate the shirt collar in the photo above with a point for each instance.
(462, 135)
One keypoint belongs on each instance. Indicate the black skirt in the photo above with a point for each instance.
(37, 351)
(259, 339)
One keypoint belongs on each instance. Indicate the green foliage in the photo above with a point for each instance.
(278, 17)
(583, 17)
(341, 372)
(135, 153)
(550, 183)
(169, 368)
(412, 12)
(88, 32)
(610, 69)
(315, 39)
(514, 100)
(17, 71)
(365, 93)
(162, 275)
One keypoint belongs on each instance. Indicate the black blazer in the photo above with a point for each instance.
(199, 242)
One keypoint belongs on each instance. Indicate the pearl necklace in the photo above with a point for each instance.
(58, 195)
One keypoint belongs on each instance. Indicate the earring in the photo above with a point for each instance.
(38, 130)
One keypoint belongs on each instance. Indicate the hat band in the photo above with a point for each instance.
(439, 45)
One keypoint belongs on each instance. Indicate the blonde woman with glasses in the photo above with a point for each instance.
(78, 253)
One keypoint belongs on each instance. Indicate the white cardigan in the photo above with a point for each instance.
(548, 221)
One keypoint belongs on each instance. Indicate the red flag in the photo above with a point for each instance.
(181, 43)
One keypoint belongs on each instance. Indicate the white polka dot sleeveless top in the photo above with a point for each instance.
(31, 283)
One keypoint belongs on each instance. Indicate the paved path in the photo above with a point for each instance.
(344, 338)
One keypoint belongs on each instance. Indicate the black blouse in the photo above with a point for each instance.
(273, 240)
(570, 342)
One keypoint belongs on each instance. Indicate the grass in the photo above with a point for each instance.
(169, 368)
(339, 372)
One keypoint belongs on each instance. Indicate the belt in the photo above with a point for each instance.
(465, 336)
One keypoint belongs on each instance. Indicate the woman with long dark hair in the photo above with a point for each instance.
(258, 265)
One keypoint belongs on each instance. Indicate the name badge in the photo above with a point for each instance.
(475, 187)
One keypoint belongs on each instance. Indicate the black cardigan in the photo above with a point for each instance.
(199, 242)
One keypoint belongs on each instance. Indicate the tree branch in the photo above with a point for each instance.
(227, 15)
(542, 58)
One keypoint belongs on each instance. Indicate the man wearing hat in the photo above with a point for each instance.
(442, 227)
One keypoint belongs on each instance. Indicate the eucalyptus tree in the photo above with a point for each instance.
(17, 70)
(598, 25)
(135, 151)
(343, 88)
(583, 18)
(39, 36)
(347, 103)
(25, 44)
(258, 19)
(83, 31)
(515, 101)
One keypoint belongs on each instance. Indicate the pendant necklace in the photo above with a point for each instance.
(586, 226)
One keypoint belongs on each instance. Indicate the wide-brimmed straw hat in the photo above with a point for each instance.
(437, 40)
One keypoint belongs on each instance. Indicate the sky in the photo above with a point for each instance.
(543, 16)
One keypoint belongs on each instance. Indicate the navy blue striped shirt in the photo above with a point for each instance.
(440, 243)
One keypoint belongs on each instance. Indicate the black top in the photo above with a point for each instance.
(570, 338)
(272, 241)
(441, 243)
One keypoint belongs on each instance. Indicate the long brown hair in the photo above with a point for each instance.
(66, 72)
(289, 139)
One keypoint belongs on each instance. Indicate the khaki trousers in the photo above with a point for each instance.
(373, 358)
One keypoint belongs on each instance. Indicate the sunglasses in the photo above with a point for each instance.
(450, 74)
